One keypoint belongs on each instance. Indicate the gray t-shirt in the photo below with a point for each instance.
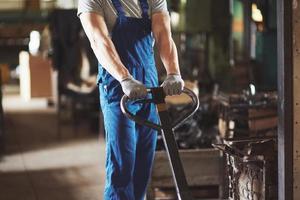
(132, 8)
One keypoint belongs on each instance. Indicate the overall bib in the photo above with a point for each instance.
(130, 147)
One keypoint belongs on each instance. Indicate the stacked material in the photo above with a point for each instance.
(252, 171)
(198, 131)
(245, 115)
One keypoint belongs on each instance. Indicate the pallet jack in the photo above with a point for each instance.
(166, 127)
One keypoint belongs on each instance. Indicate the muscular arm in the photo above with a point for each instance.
(104, 49)
(167, 50)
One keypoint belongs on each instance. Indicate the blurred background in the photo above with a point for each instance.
(51, 130)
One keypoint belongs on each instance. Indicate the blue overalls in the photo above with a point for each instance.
(129, 147)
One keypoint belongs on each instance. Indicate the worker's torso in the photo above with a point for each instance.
(133, 41)
(131, 8)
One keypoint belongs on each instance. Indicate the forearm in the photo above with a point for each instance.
(107, 55)
(164, 42)
(102, 45)
(168, 53)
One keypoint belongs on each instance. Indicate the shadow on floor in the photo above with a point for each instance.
(36, 165)
(77, 183)
(35, 130)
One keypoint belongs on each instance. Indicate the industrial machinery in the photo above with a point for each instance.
(248, 130)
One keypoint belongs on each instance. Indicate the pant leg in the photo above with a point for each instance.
(145, 151)
(120, 153)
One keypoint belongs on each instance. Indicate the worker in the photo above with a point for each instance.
(122, 35)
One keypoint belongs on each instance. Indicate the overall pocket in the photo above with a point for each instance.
(110, 88)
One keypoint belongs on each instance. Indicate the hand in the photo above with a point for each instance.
(173, 84)
(133, 89)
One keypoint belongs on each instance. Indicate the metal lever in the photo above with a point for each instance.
(166, 127)
(175, 124)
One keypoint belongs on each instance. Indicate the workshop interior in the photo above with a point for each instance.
(238, 57)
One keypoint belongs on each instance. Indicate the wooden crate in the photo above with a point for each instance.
(262, 119)
(35, 76)
(203, 169)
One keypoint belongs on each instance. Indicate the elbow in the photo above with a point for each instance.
(99, 43)
(95, 45)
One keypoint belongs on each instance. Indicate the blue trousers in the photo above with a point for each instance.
(130, 150)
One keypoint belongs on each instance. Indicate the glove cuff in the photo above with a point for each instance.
(174, 74)
(129, 77)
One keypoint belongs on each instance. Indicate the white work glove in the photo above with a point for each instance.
(133, 89)
(173, 85)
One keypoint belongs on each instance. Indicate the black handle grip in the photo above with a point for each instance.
(135, 118)
(191, 111)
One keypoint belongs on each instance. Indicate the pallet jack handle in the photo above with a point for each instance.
(176, 123)
(166, 128)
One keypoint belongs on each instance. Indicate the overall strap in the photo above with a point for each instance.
(118, 6)
(145, 8)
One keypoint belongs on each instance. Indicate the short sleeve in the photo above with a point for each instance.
(90, 6)
(159, 6)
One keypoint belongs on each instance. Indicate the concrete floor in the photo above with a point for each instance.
(36, 165)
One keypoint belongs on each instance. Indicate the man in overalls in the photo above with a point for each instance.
(122, 33)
